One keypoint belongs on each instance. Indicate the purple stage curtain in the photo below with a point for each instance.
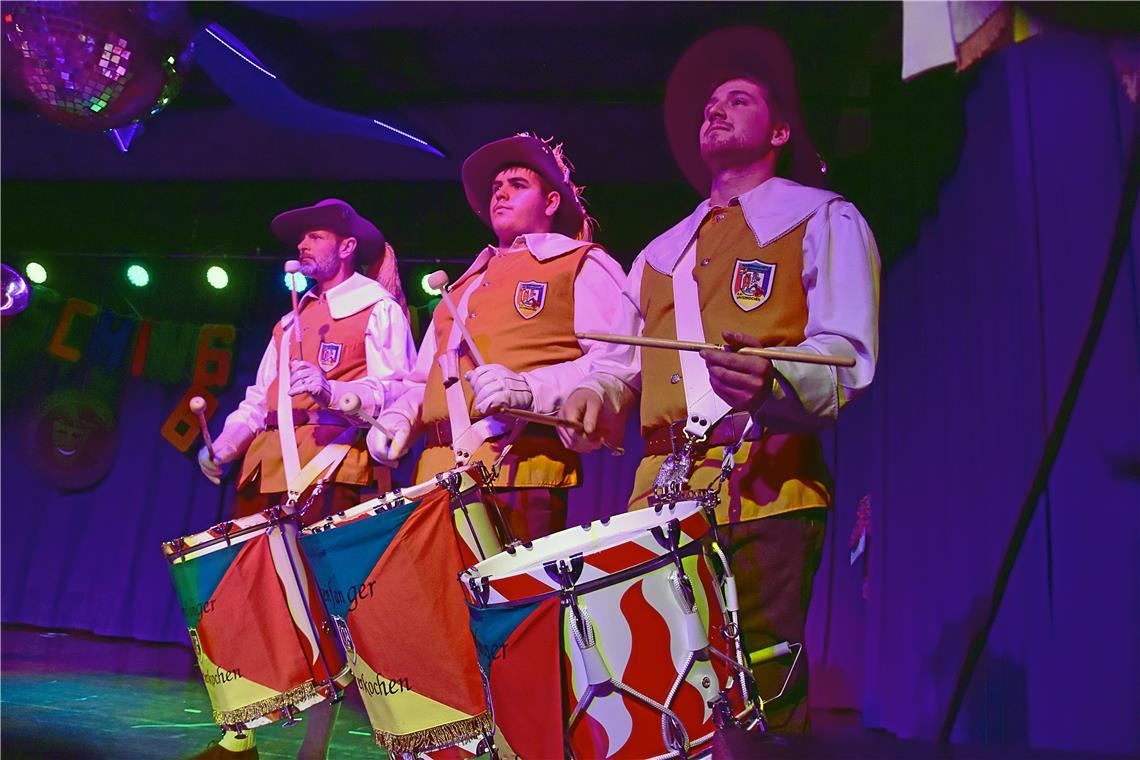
(981, 322)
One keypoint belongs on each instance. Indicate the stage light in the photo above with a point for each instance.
(36, 272)
(217, 277)
(296, 281)
(138, 276)
(428, 288)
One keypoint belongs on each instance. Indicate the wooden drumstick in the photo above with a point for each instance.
(438, 280)
(350, 404)
(691, 345)
(292, 267)
(541, 419)
(198, 406)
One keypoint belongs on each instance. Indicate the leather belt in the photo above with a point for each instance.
(670, 439)
(439, 433)
(311, 417)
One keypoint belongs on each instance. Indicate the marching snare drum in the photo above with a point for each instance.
(264, 642)
(386, 569)
(611, 639)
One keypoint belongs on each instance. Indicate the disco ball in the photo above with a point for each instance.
(96, 65)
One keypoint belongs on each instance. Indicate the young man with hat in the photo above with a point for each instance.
(354, 337)
(521, 302)
(764, 261)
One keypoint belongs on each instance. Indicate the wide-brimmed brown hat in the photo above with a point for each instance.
(480, 168)
(336, 216)
(736, 52)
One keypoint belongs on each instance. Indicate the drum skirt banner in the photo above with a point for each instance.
(250, 609)
(391, 577)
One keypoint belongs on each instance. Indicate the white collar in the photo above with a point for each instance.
(771, 210)
(353, 295)
(543, 246)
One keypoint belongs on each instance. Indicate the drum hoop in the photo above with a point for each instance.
(175, 554)
(401, 497)
(696, 546)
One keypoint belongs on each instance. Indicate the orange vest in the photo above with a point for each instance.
(780, 472)
(337, 347)
(521, 316)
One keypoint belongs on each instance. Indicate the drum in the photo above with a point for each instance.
(264, 642)
(611, 639)
(386, 570)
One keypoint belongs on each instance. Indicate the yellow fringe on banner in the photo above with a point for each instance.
(439, 736)
(294, 696)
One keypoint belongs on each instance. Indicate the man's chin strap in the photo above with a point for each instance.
(297, 479)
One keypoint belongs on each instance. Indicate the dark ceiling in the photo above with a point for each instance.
(205, 176)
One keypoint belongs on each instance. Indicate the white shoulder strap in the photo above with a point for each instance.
(465, 437)
(329, 457)
(705, 408)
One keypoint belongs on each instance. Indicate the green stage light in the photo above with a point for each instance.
(428, 288)
(296, 281)
(36, 272)
(138, 276)
(217, 277)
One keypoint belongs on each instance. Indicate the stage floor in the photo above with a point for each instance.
(73, 695)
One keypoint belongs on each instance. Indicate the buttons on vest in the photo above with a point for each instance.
(675, 378)
(720, 217)
(705, 262)
(472, 315)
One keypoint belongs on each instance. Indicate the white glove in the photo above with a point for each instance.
(389, 445)
(497, 387)
(213, 468)
(306, 377)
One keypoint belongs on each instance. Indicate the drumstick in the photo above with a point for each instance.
(292, 266)
(438, 280)
(350, 404)
(546, 419)
(692, 345)
(198, 406)
(542, 419)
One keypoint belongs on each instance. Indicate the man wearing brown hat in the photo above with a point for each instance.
(354, 338)
(521, 301)
(767, 261)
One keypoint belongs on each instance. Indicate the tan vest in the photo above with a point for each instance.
(521, 316)
(337, 347)
(738, 291)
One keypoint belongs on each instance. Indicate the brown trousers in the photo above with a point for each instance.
(774, 560)
(531, 513)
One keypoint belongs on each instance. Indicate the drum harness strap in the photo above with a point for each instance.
(466, 436)
(320, 467)
(704, 409)
(297, 480)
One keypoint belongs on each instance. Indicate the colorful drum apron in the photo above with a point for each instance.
(386, 570)
(264, 642)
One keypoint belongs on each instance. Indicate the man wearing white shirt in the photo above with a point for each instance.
(521, 302)
(354, 338)
(764, 261)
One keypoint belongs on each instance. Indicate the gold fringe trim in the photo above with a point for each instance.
(294, 696)
(437, 737)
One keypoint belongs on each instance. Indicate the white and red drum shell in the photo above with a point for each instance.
(626, 586)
